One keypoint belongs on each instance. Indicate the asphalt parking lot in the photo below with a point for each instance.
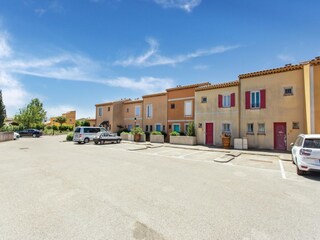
(50, 189)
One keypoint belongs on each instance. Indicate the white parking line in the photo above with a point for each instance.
(283, 174)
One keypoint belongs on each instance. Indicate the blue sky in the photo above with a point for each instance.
(73, 54)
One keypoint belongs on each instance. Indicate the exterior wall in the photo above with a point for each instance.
(279, 108)
(92, 122)
(129, 114)
(176, 115)
(159, 112)
(117, 116)
(210, 112)
(316, 80)
(106, 115)
(71, 117)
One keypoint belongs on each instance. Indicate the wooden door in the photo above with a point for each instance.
(209, 133)
(280, 135)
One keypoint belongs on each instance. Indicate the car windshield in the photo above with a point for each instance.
(312, 143)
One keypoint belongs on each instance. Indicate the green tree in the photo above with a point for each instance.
(2, 111)
(32, 114)
(85, 123)
(61, 120)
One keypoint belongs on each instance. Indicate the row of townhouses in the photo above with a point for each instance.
(270, 108)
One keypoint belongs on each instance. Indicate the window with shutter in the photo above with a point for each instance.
(233, 99)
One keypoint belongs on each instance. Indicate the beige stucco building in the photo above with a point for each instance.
(155, 112)
(110, 115)
(217, 112)
(132, 114)
(70, 119)
(272, 107)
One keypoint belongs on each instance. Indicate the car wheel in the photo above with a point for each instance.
(79, 142)
(300, 172)
(34, 135)
(86, 140)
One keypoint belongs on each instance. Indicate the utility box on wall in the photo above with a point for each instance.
(240, 143)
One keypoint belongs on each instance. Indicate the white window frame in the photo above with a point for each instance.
(249, 130)
(226, 101)
(264, 128)
(223, 127)
(158, 124)
(136, 109)
(149, 111)
(176, 124)
(185, 127)
(204, 99)
(100, 111)
(186, 112)
(253, 99)
(287, 94)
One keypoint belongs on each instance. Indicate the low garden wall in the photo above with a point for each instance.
(184, 140)
(6, 136)
(156, 138)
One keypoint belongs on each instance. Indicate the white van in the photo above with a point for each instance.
(85, 134)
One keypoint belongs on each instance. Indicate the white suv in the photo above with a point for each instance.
(306, 153)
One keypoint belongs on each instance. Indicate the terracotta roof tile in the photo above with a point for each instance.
(188, 86)
(219, 85)
(271, 71)
(154, 95)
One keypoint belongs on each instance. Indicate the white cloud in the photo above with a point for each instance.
(69, 67)
(286, 58)
(144, 84)
(186, 5)
(153, 58)
(5, 50)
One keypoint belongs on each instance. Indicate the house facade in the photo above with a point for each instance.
(70, 119)
(272, 107)
(132, 112)
(217, 112)
(155, 112)
(110, 115)
(180, 107)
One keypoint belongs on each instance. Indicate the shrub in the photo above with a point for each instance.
(63, 128)
(48, 127)
(191, 131)
(54, 127)
(123, 131)
(156, 133)
(70, 128)
(137, 130)
(174, 133)
(182, 134)
(69, 137)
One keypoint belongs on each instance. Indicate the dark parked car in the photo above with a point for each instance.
(30, 133)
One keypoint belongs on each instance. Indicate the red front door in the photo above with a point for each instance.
(209, 133)
(280, 136)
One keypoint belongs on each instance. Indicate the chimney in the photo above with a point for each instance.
(317, 58)
(287, 65)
